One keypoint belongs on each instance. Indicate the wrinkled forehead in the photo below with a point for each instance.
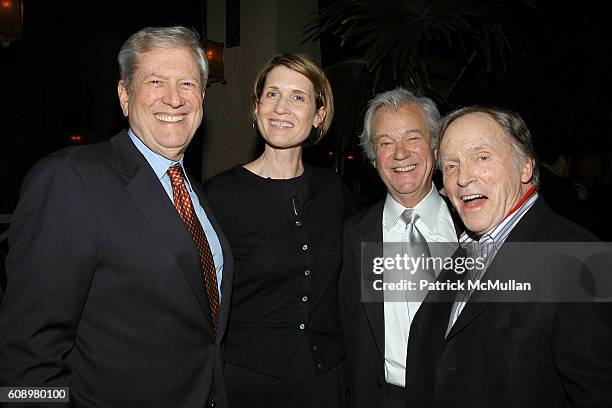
(169, 58)
(407, 117)
(473, 132)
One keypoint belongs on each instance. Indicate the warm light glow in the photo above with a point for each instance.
(330, 153)
(6, 4)
(214, 56)
(350, 157)
(76, 138)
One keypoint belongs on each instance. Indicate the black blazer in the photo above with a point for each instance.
(363, 323)
(105, 291)
(514, 354)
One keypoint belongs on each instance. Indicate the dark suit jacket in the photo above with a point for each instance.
(363, 323)
(514, 354)
(105, 291)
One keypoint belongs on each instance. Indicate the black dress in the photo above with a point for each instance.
(283, 346)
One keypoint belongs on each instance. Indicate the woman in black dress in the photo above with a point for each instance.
(283, 220)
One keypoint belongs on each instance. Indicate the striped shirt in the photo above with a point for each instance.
(486, 247)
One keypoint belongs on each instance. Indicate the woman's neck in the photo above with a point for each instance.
(278, 163)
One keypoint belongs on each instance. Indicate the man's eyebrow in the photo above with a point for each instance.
(165, 77)
(379, 136)
(409, 131)
(479, 147)
(470, 150)
(491, 147)
(155, 74)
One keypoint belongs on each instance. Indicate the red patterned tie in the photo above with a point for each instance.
(183, 205)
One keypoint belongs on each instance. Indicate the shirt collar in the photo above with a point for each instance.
(427, 209)
(499, 234)
(159, 163)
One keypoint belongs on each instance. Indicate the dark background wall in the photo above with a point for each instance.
(60, 81)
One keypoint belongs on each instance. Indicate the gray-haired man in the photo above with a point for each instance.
(118, 275)
(399, 138)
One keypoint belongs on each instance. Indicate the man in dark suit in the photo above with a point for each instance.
(474, 351)
(119, 277)
(399, 138)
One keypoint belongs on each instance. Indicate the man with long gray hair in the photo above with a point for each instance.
(399, 138)
(119, 277)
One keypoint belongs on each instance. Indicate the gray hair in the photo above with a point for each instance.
(514, 127)
(394, 99)
(153, 38)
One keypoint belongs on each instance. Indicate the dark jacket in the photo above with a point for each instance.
(363, 323)
(514, 355)
(105, 291)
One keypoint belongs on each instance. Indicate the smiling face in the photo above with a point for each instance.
(164, 105)
(481, 174)
(286, 109)
(404, 159)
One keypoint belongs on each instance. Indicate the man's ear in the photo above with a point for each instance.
(527, 171)
(123, 97)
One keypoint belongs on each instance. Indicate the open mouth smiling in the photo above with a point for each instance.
(472, 200)
(281, 124)
(170, 118)
(404, 169)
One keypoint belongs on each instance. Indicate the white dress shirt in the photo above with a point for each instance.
(436, 225)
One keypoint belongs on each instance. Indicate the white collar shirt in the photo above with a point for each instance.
(436, 225)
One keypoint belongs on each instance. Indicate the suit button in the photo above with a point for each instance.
(320, 366)
(307, 272)
(212, 404)
(315, 347)
(298, 223)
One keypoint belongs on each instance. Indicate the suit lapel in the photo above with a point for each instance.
(524, 231)
(370, 230)
(147, 193)
(470, 311)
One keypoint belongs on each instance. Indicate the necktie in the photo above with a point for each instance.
(418, 243)
(474, 250)
(183, 205)
(415, 246)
